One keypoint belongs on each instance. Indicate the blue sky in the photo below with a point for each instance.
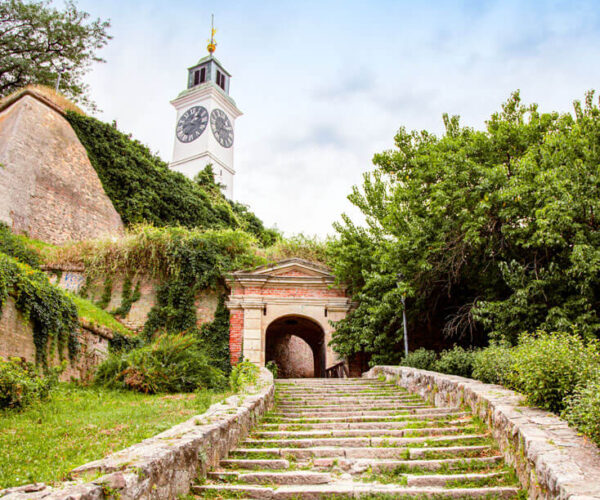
(325, 85)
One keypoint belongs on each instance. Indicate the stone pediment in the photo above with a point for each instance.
(289, 273)
(293, 268)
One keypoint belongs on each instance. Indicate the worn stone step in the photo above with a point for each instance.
(325, 390)
(336, 387)
(346, 409)
(388, 412)
(349, 405)
(416, 422)
(358, 432)
(361, 441)
(361, 465)
(348, 400)
(341, 393)
(356, 418)
(452, 479)
(245, 463)
(350, 490)
(462, 451)
(269, 477)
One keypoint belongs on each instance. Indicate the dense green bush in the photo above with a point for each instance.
(15, 246)
(171, 363)
(243, 374)
(582, 409)
(21, 384)
(143, 188)
(52, 313)
(455, 361)
(422, 358)
(548, 367)
(493, 365)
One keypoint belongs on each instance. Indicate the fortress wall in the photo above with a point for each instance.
(16, 340)
(74, 280)
(48, 187)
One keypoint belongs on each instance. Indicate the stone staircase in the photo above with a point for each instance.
(361, 438)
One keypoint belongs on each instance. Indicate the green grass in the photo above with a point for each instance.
(97, 316)
(77, 425)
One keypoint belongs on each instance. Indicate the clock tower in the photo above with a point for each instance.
(206, 115)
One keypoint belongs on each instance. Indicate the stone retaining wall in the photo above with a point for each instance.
(551, 459)
(16, 340)
(163, 466)
(73, 279)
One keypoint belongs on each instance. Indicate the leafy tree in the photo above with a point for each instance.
(39, 42)
(495, 231)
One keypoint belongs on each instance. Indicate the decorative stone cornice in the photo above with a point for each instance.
(308, 275)
(258, 302)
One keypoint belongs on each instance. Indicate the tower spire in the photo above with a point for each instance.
(212, 45)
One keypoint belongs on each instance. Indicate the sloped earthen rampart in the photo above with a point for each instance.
(49, 190)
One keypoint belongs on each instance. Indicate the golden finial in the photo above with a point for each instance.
(212, 45)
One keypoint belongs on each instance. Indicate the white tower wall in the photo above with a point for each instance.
(189, 158)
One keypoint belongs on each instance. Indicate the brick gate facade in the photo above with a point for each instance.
(290, 288)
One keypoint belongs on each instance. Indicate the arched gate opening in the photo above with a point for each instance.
(297, 345)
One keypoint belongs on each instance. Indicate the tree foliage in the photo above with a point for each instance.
(39, 41)
(494, 232)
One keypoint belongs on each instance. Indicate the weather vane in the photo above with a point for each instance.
(212, 45)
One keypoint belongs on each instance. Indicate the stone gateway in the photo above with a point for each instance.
(283, 313)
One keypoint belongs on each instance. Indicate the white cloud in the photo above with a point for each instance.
(326, 85)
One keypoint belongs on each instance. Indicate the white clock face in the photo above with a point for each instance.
(192, 124)
(221, 128)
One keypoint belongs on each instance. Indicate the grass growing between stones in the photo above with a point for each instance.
(78, 425)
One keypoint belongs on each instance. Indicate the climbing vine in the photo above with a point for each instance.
(128, 297)
(142, 188)
(106, 293)
(199, 261)
(52, 314)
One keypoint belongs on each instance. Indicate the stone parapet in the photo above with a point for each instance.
(551, 459)
(163, 466)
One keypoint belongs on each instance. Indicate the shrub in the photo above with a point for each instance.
(171, 363)
(273, 368)
(582, 409)
(21, 384)
(455, 361)
(421, 358)
(243, 374)
(493, 364)
(548, 367)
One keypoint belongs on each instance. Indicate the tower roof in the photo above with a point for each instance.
(212, 58)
